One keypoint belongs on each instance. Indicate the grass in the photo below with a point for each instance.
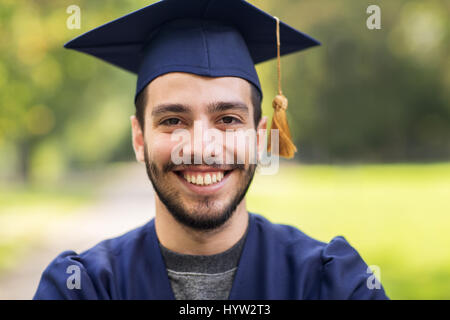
(396, 216)
(24, 213)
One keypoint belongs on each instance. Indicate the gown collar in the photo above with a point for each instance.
(161, 288)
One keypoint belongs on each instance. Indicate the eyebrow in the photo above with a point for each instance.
(214, 107)
(217, 107)
(170, 107)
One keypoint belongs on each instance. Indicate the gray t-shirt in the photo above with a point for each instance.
(202, 277)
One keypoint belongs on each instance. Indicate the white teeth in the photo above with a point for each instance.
(207, 179)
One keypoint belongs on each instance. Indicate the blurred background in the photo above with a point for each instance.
(369, 112)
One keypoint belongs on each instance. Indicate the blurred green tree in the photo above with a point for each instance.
(59, 109)
(364, 95)
(370, 95)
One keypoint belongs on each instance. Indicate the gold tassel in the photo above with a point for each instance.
(279, 120)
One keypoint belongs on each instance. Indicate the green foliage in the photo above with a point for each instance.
(368, 95)
(59, 109)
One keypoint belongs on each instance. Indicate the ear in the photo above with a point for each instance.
(261, 135)
(137, 139)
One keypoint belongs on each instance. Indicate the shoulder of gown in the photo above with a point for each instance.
(320, 270)
(345, 275)
(94, 269)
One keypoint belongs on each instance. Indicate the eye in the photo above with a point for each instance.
(229, 120)
(171, 122)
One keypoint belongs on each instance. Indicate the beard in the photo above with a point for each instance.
(205, 214)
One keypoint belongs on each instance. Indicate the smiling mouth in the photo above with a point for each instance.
(203, 178)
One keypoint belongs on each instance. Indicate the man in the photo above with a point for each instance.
(195, 64)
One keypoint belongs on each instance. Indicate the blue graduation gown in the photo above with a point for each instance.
(277, 262)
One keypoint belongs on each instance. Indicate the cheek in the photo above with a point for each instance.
(160, 147)
(242, 145)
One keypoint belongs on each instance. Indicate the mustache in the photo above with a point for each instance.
(170, 166)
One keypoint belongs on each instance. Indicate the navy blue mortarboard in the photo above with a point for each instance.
(214, 38)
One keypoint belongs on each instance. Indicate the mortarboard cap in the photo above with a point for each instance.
(213, 38)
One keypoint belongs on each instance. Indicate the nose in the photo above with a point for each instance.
(206, 141)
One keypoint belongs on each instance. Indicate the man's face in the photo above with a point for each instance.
(199, 195)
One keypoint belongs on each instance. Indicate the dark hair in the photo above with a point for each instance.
(141, 102)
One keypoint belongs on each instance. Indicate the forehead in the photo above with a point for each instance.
(187, 88)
